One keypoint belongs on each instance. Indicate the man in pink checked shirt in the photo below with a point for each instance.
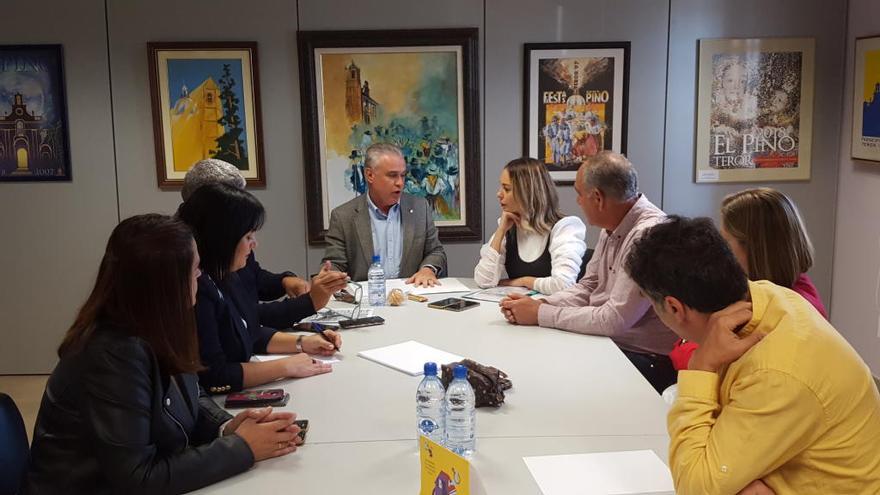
(606, 301)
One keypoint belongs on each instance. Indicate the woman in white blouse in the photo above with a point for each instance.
(535, 246)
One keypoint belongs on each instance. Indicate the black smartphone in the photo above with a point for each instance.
(461, 305)
(443, 303)
(361, 322)
(303, 428)
(453, 304)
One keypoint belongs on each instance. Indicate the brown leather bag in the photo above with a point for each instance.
(489, 383)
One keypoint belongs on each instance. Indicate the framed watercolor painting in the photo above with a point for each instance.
(575, 103)
(417, 89)
(866, 100)
(754, 110)
(34, 143)
(206, 104)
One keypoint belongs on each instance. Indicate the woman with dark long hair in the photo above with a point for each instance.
(224, 220)
(122, 411)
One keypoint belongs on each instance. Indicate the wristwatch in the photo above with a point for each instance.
(299, 343)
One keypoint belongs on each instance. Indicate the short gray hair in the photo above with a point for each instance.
(376, 151)
(613, 174)
(211, 171)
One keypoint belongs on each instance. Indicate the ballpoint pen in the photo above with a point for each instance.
(320, 330)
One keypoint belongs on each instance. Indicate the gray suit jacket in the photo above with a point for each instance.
(350, 238)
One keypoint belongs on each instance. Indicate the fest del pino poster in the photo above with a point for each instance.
(575, 103)
(754, 110)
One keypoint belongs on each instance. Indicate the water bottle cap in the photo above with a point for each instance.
(430, 369)
(460, 371)
(376, 258)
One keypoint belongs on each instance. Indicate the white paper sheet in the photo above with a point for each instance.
(271, 357)
(446, 285)
(496, 294)
(409, 357)
(601, 473)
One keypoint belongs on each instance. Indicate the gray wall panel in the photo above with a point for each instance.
(695, 19)
(53, 234)
(855, 310)
(511, 23)
(273, 27)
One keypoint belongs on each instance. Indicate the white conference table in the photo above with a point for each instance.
(571, 394)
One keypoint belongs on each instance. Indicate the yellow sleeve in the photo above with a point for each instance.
(770, 418)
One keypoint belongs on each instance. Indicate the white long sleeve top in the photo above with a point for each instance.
(567, 248)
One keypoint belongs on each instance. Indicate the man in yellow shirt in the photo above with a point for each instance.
(774, 400)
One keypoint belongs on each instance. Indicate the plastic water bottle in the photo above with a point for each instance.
(461, 416)
(430, 405)
(376, 282)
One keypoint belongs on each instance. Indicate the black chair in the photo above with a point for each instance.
(14, 454)
(587, 257)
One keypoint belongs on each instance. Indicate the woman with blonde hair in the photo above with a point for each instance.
(535, 245)
(769, 240)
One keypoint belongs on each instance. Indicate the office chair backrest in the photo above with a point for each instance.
(588, 255)
(14, 454)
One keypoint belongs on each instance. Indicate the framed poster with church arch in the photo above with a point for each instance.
(416, 89)
(34, 142)
(206, 104)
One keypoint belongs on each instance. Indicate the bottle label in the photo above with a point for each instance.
(427, 426)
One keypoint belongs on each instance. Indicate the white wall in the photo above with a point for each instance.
(855, 310)
(54, 234)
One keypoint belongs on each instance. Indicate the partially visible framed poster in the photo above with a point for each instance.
(206, 104)
(866, 100)
(575, 103)
(34, 143)
(754, 110)
(416, 89)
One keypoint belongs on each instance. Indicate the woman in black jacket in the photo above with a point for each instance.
(122, 411)
(229, 316)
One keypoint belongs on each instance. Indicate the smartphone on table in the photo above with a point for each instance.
(275, 397)
(453, 304)
(361, 322)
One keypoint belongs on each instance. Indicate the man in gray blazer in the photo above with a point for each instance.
(396, 226)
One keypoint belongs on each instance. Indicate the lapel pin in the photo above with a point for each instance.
(410, 210)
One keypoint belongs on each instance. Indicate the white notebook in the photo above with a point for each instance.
(601, 473)
(409, 357)
(446, 285)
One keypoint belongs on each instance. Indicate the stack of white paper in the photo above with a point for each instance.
(601, 473)
(409, 357)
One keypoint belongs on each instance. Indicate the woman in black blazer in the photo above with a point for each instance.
(232, 324)
(122, 411)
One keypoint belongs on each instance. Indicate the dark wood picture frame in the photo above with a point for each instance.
(255, 173)
(34, 150)
(469, 152)
(576, 49)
